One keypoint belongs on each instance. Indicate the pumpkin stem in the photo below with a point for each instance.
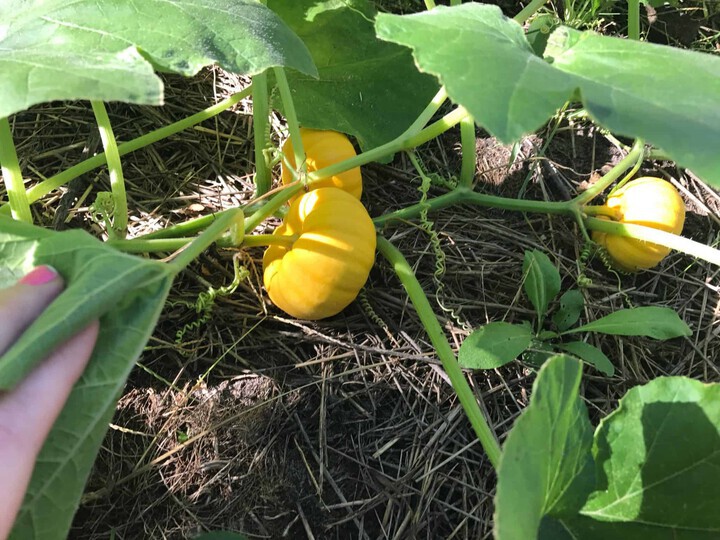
(255, 240)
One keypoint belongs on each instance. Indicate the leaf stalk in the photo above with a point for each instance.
(485, 434)
(117, 181)
(261, 133)
(656, 236)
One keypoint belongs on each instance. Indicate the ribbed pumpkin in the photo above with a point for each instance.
(647, 201)
(330, 259)
(322, 149)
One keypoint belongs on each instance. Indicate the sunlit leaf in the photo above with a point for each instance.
(651, 321)
(658, 459)
(106, 50)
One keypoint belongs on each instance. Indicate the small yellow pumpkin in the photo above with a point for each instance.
(647, 201)
(332, 251)
(322, 149)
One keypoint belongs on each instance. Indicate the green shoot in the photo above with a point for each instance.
(12, 175)
(117, 182)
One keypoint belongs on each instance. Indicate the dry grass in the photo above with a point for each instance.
(345, 428)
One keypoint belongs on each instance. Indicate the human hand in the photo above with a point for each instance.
(28, 411)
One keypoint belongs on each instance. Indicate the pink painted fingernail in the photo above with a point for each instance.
(40, 275)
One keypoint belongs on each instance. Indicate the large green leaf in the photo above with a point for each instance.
(367, 88)
(657, 464)
(651, 321)
(664, 95)
(95, 49)
(582, 528)
(494, 344)
(127, 293)
(546, 466)
(485, 63)
(658, 459)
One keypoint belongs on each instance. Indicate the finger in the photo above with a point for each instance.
(29, 411)
(22, 303)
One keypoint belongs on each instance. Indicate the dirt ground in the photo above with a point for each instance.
(249, 420)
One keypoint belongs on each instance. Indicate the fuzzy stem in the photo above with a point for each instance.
(427, 113)
(403, 142)
(648, 234)
(185, 228)
(429, 4)
(43, 188)
(261, 132)
(444, 351)
(292, 122)
(634, 19)
(257, 240)
(469, 152)
(467, 196)
(12, 175)
(271, 206)
(117, 181)
(630, 173)
(612, 213)
(141, 245)
(209, 235)
(636, 152)
(529, 11)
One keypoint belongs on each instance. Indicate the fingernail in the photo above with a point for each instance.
(40, 275)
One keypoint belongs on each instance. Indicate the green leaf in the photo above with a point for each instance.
(106, 50)
(127, 293)
(485, 63)
(582, 528)
(658, 460)
(664, 95)
(494, 345)
(541, 281)
(367, 88)
(546, 466)
(571, 306)
(651, 321)
(590, 354)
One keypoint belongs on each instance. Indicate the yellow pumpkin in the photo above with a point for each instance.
(322, 149)
(333, 249)
(647, 201)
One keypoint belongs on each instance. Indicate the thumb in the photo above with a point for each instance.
(22, 303)
(29, 410)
